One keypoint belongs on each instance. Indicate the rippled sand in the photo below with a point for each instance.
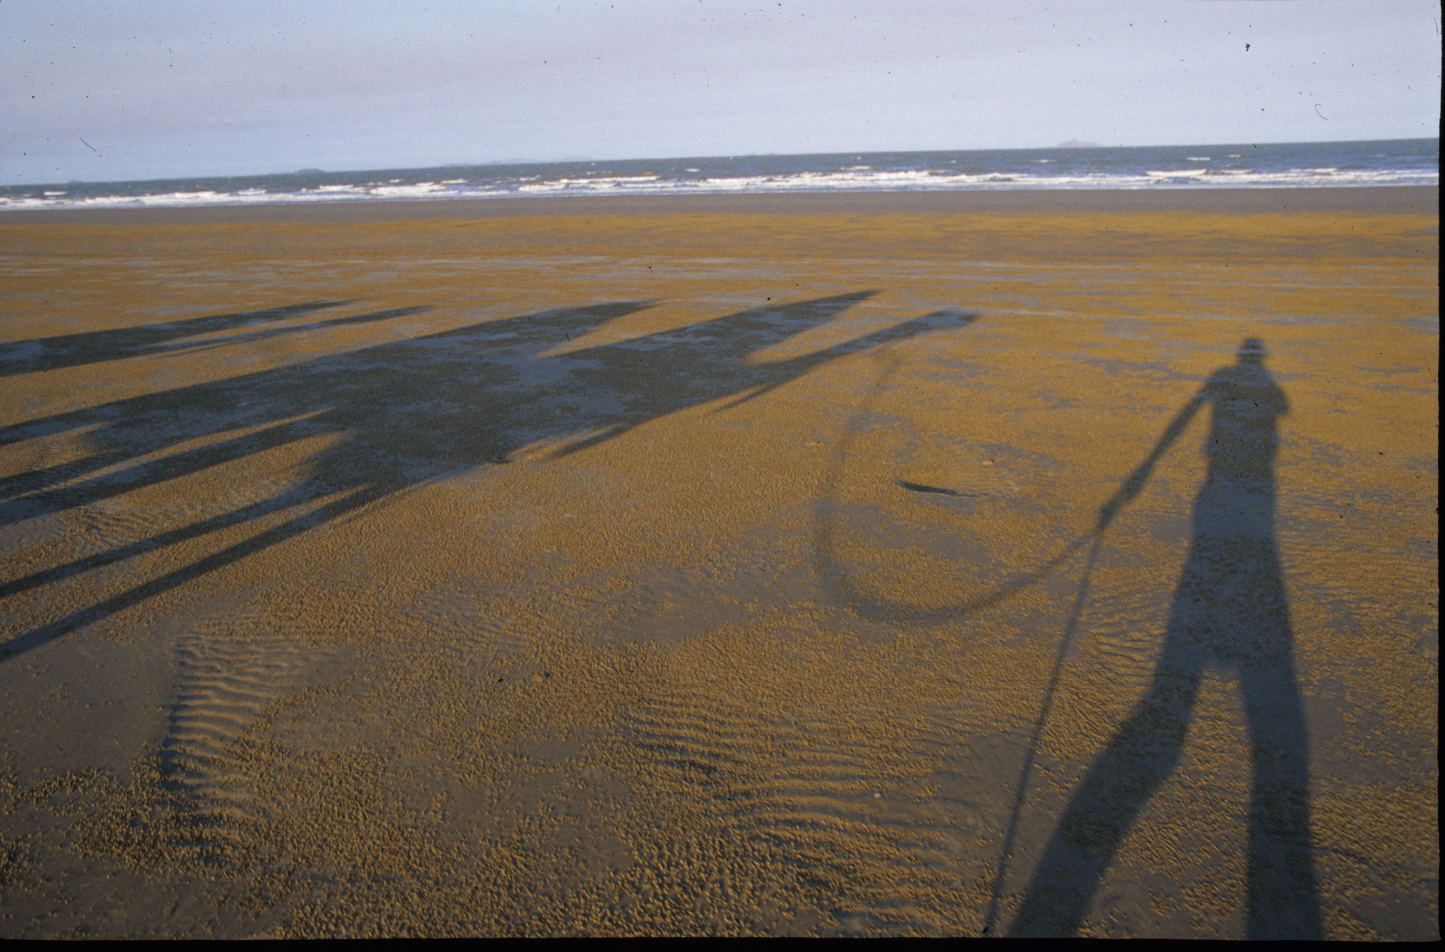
(721, 566)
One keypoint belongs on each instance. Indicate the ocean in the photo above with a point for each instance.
(1275, 165)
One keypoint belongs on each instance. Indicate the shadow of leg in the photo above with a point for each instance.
(154, 543)
(1283, 900)
(1139, 756)
(234, 553)
(148, 473)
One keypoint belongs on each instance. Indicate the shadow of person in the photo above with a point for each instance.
(396, 416)
(1229, 614)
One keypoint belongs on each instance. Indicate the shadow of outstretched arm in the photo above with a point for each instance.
(1135, 483)
(789, 370)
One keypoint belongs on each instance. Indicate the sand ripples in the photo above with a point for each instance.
(224, 688)
(820, 798)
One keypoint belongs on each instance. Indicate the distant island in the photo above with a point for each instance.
(1078, 144)
(309, 172)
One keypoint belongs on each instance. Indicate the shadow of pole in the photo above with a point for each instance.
(1229, 613)
(1045, 709)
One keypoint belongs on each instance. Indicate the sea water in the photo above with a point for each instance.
(1246, 165)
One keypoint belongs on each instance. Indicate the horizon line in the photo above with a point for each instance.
(312, 170)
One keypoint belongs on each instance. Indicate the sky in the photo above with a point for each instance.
(97, 91)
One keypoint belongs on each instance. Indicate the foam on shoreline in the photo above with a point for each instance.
(1398, 200)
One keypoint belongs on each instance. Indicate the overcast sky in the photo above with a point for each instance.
(93, 90)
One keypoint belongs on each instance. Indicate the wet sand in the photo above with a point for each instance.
(722, 565)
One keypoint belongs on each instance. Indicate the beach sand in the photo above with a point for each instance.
(722, 565)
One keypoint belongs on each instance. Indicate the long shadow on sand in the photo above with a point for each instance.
(406, 413)
(89, 347)
(1229, 614)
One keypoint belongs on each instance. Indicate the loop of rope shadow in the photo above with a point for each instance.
(869, 606)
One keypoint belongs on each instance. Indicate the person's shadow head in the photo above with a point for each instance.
(1252, 352)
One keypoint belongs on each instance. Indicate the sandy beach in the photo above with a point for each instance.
(723, 565)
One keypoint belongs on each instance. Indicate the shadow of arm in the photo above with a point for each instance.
(1135, 483)
(788, 370)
